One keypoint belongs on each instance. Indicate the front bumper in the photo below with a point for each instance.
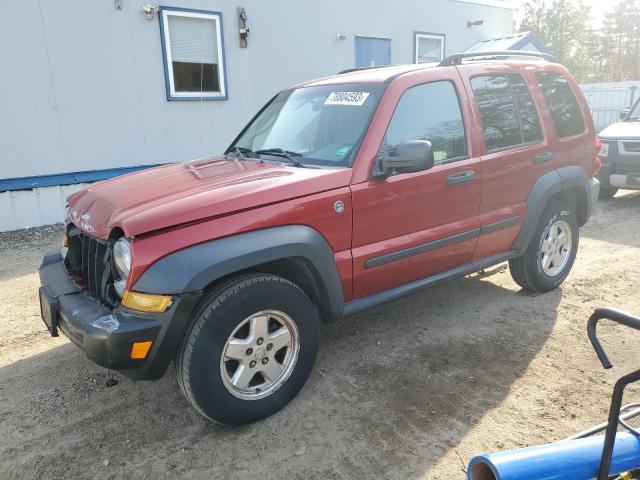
(620, 168)
(107, 335)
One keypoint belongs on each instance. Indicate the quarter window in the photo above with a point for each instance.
(430, 111)
(562, 103)
(508, 115)
(193, 54)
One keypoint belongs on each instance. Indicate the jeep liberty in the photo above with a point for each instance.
(340, 194)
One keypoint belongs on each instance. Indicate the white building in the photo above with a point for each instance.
(92, 89)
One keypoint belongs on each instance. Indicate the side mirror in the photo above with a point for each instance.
(623, 114)
(412, 156)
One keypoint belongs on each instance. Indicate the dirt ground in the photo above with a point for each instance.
(410, 390)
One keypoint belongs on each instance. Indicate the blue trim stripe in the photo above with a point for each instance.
(72, 178)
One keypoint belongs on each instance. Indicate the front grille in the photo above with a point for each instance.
(89, 262)
(633, 147)
(628, 169)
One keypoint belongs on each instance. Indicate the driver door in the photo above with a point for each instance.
(414, 225)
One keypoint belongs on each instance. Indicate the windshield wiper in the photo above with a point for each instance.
(240, 152)
(280, 152)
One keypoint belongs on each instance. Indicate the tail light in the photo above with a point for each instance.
(597, 164)
(598, 145)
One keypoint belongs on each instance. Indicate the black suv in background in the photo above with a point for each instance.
(620, 154)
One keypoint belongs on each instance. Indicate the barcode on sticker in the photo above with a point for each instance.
(346, 98)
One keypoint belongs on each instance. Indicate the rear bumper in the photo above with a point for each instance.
(105, 335)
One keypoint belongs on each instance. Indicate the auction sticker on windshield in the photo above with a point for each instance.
(346, 98)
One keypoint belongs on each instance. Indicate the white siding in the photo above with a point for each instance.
(84, 87)
(32, 208)
(607, 100)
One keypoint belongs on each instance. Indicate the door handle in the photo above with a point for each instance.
(461, 177)
(543, 157)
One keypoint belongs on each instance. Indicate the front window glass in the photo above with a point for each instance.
(319, 125)
(430, 111)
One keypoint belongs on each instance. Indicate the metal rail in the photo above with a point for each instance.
(457, 58)
(618, 390)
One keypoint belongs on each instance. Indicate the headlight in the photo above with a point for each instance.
(604, 151)
(122, 259)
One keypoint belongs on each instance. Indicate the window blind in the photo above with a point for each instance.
(193, 40)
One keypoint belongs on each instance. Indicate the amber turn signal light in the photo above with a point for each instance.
(139, 350)
(145, 302)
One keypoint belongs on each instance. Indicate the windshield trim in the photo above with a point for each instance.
(356, 146)
(630, 116)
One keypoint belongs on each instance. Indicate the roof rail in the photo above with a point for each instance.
(357, 69)
(457, 58)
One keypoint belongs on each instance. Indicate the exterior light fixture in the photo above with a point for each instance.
(149, 10)
(242, 27)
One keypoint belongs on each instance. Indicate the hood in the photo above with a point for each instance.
(621, 130)
(178, 193)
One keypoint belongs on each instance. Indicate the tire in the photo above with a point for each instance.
(229, 324)
(529, 270)
(607, 192)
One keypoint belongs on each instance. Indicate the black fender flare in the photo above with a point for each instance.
(194, 268)
(547, 185)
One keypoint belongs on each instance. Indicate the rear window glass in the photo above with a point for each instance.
(562, 103)
(508, 115)
(531, 131)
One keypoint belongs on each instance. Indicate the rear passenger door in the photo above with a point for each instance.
(575, 136)
(515, 151)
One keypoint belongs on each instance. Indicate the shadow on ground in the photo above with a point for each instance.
(622, 208)
(392, 391)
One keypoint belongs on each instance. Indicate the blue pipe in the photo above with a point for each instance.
(567, 460)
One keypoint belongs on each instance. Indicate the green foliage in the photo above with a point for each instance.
(608, 53)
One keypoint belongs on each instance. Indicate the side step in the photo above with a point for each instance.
(360, 304)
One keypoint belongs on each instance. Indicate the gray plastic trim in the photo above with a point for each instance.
(193, 268)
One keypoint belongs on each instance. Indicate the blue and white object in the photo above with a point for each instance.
(567, 460)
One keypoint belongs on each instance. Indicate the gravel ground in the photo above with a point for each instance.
(409, 390)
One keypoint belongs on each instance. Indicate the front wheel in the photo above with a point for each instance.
(551, 252)
(250, 349)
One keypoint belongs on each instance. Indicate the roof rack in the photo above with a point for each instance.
(357, 69)
(458, 57)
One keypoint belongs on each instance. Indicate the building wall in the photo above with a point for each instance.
(82, 83)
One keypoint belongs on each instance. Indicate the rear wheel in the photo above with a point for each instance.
(551, 252)
(607, 192)
(250, 349)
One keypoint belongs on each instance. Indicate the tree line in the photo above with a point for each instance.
(607, 53)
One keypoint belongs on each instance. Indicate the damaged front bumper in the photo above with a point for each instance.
(107, 335)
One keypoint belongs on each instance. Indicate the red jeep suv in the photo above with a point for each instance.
(340, 194)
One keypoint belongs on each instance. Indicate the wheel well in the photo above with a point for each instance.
(297, 270)
(576, 198)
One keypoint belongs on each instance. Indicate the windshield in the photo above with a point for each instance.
(319, 125)
(635, 113)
